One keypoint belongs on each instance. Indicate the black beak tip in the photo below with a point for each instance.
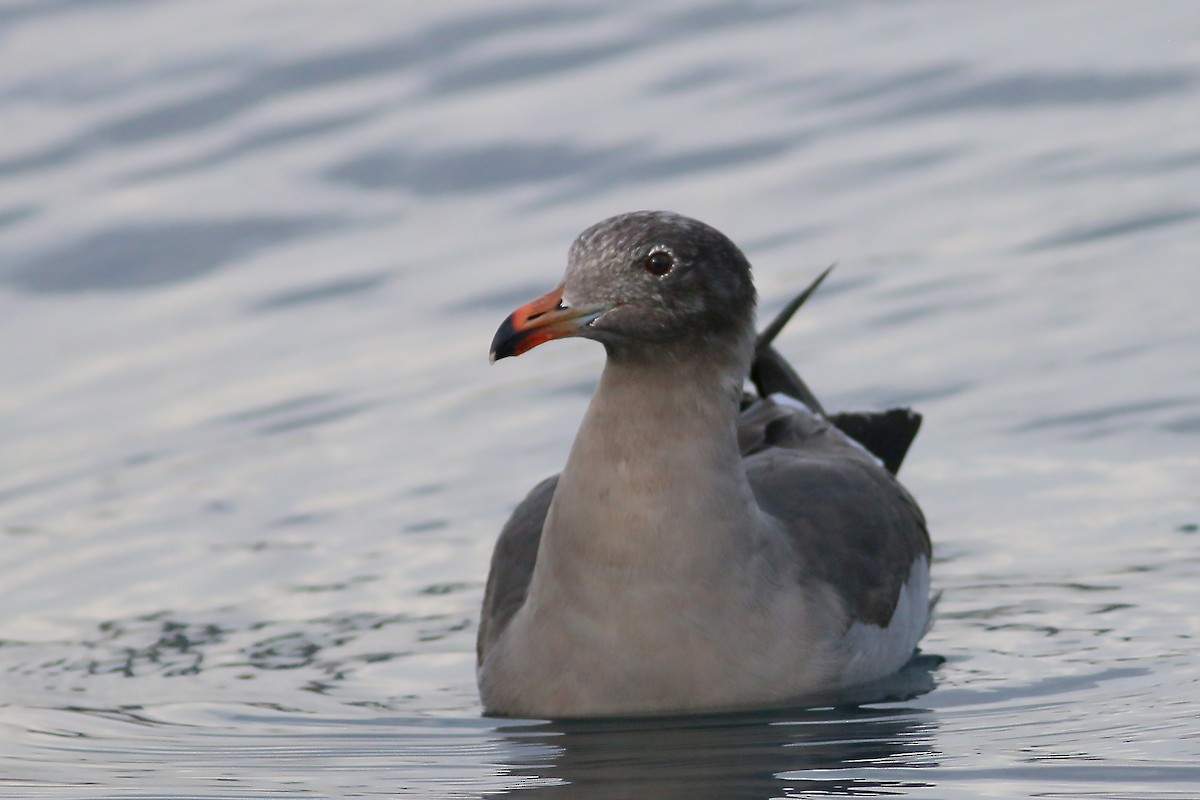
(504, 342)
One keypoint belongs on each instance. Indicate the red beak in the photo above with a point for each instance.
(539, 321)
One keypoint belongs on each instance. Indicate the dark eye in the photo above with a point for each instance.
(659, 263)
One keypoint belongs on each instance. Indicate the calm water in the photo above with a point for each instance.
(251, 257)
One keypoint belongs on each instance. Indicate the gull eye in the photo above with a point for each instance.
(659, 263)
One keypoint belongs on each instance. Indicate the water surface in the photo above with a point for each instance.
(251, 258)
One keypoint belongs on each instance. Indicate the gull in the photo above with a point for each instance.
(705, 547)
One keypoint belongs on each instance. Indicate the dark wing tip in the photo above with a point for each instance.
(886, 434)
(785, 314)
(770, 372)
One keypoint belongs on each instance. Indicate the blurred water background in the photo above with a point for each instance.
(252, 253)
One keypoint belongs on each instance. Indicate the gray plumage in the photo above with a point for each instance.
(840, 539)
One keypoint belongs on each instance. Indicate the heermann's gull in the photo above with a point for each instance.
(702, 548)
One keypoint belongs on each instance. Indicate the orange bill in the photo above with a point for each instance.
(539, 321)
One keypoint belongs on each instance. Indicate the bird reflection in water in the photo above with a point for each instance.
(757, 754)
